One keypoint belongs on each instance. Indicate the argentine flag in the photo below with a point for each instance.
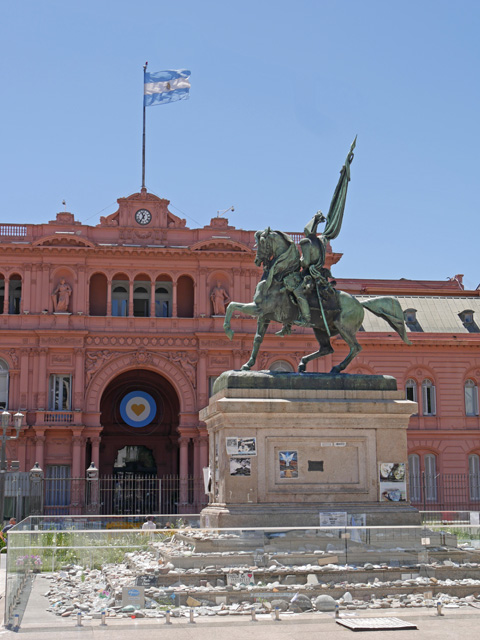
(166, 86)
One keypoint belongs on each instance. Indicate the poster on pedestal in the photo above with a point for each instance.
(392, 482)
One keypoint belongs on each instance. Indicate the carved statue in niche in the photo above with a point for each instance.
(61, 297)
(220, 299)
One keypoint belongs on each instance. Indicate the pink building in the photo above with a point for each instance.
(111, 336)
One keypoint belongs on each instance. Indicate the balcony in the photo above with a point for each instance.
(60, 418)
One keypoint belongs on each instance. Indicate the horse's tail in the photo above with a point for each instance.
(390, 310)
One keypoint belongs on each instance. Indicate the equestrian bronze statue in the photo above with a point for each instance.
(300, 290)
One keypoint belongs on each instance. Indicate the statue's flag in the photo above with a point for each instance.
(166, 86)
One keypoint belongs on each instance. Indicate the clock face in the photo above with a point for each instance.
(143, 216)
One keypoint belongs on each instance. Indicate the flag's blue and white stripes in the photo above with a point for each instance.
(166, 86)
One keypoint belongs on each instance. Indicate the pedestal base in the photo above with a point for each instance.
(285, 447)
(305, 515)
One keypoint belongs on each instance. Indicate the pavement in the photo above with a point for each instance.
(38, 624)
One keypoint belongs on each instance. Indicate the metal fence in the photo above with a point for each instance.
(445, 491)
(138, 495)
(108, 495)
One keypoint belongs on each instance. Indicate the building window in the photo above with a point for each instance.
(411, 390)
(428, 398)
(2, 293)
(60, 392)
(141, 300)
(410, 317)
(468, 321)
(3, 385)
(430, 462)
(119, 299)
(414, 477)
(14, 295)
(471, 398)
(282, 365)
(474, 476)
(163, 299)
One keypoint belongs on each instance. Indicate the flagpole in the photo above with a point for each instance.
(143, 144)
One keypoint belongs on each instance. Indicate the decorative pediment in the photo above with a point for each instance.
(220, 244)
(61, 240)
(159, 216)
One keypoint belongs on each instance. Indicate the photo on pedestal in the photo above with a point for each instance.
(288, 461)
(240, 466)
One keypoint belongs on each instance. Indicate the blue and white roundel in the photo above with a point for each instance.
(138, 408)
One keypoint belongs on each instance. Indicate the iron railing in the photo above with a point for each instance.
(107, 495)
(445, 491)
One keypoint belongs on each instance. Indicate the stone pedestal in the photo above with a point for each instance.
(285, 447)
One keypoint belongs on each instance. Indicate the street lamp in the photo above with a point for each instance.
(17, 422)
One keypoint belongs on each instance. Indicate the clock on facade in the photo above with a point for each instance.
(143, 216)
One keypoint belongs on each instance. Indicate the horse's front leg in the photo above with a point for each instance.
(262, 326)
(249, 308)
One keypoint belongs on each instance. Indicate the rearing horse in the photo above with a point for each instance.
(277, 252)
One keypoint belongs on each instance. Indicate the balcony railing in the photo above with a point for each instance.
(13, 231)
(55, 417)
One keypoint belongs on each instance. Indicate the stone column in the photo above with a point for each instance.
(109, 297)
(78, 481)
(77, 442)
(195, 299)
(7, 294)
(202, 382)
(238, 293)
(152, 299)
(174, 299)
(130, 299)
(183, 442)
(46, 302)
(39, 447)
(26, 301)
(203, 303)
(95, 440)
(42, 380)
(80, 301)
(78, 384)
(24, 354)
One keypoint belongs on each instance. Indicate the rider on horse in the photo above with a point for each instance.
(314, 275)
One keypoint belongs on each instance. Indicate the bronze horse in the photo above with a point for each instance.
(271, 301)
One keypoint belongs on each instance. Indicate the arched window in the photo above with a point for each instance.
(119, 298)
(185, 297)
(14, 294)
(3, 384)
(163, 299)
(2, 292)
(471, 398)
(98, 295)
(428, 398)
(141, 299)
(414, 477)
(282, 365)
(430, 462)
(411, 390)
(474, 476)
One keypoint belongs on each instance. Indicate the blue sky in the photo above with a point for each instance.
(279, 91)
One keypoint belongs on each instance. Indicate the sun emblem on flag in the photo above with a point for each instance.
(168, 86)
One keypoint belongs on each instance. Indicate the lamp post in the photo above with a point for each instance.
(17, 422)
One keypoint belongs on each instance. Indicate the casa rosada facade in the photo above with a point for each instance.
(112, 335)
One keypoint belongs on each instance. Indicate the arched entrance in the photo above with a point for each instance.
(139, 416)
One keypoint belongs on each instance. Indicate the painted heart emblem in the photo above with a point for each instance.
(138, 409)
